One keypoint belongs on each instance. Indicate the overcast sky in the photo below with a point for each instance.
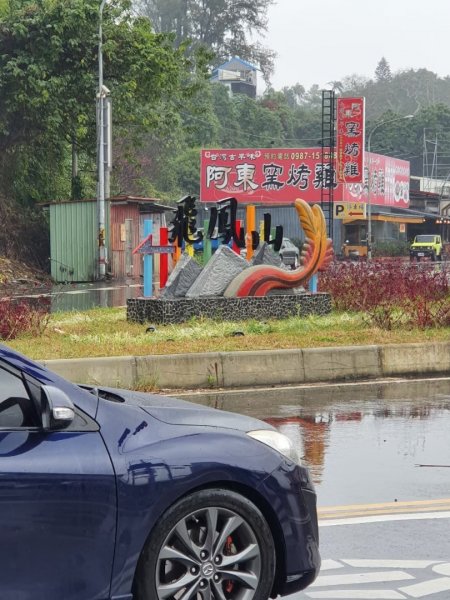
(318, 41)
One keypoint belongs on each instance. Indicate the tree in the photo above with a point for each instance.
(294, 94)
(336, 86)
(48, 66)
(223, 26)
(383, 71)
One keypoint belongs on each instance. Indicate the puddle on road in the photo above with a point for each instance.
(83, 296)
(365, 443)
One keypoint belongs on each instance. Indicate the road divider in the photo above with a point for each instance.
(212, 370)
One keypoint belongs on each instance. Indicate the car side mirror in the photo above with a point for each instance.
(58, 410)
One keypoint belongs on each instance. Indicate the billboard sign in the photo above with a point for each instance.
(389, 182)
(350, 140)
(281, 175)
(268, 176)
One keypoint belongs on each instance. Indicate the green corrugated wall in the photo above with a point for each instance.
(73, 240)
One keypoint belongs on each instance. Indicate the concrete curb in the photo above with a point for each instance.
(264, 367)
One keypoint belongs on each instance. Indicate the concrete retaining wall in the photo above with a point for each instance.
(240, 369)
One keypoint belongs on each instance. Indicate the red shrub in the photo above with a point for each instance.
(18, 317)
(390, 292)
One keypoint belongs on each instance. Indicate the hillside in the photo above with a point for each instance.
(16, 276)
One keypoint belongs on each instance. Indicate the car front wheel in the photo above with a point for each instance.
(212, 545)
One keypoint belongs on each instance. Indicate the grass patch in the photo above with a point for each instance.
(106, 332)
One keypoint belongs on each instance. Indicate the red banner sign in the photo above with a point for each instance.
(389, 182)
(350, 140)
(281, 175)
(275, 175)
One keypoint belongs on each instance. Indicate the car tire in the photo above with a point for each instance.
(433, 257)
(192, 548)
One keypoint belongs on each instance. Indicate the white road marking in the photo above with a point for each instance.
(383, 518)
(328, 565)
(427, 588)
(376, 572)
(358, 595)
(392, 564)
(361, 578)
(442, 569)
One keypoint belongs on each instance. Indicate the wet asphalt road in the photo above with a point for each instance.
(84, 296)
(379, 454)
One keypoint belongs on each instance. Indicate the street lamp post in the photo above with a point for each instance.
(369, 205)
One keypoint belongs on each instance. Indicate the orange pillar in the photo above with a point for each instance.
(251, 226)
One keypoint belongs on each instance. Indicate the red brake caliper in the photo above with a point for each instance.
(230, 548)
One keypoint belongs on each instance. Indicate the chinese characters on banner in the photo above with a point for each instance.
(280, 176)
(264, 176)
(389, 182)
(350, 140)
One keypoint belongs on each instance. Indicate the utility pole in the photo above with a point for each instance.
(101, 153)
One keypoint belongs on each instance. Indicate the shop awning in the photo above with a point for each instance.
(388, 219)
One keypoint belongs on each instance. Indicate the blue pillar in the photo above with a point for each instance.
(313, 283)
(148, 262)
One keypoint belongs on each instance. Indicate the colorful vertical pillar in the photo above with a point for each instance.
(313, 283)
(237, 231)
(163, 258)
(261, 231)
(251, 226)
(177, 253)
(148, 262)
(207, 249)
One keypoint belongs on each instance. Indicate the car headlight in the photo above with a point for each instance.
(276, 440)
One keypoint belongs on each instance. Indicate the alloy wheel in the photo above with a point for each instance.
(210, 554)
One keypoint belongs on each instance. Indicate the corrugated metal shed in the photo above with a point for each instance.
(73, 235)
(137, 210)
(73, 240)
(119, 215)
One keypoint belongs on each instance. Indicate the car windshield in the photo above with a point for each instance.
(420, 239)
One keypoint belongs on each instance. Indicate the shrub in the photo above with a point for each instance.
(18, 317)
(391, 248)
(390, 293)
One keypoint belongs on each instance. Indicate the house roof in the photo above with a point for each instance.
(152, 203)
(233, 60)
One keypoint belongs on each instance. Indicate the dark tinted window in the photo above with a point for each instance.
(16, 407)
(422, 239)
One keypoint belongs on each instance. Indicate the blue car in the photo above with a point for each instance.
(109, 494)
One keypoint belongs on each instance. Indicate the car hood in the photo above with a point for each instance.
(174, 411)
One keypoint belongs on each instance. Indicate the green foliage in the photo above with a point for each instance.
(391, 248)
(383, 71)
(24, 234)
(48, 66)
